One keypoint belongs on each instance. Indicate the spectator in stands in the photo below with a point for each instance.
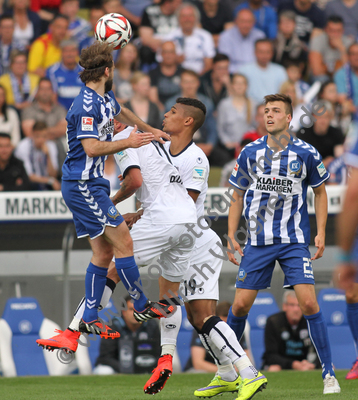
(323, 136)
(78, 27)
(287, 342)
(126, 65)
(64, 75)
(20, 85)
(215, 84)
(207, 137)
(157, 20)
(95, 13)
(46, 10)
(9, 119)
(235, 115)
(288, 46)
(7, 42)
(39, 155)
(294, 73)
(260, 127)
(45, 51)
(201, 360)
(194, 45)
(263, 75)
(308, 16)
(238, 43)
(342, 110)
(215, 17)
(338, 172)
(328, 50)
(133, 10)
(346, 80)
(265, 16)
(165, 78)
(117, 356)
(140, 103)
(348, 11)
(27, 22)
(13, 175)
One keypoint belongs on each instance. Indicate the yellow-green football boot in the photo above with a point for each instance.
(249, 387)
(218, 386)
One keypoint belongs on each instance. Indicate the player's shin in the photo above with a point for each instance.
(317, 329)
(169, 329)
(95, 282)
(128, 272)
(237, 324)
(225, 339)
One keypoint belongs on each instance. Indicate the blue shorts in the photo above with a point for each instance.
(91, 206)
(258, 263)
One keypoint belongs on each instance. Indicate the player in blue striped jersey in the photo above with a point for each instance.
(271, 178)
(86, 192)
(347, 227)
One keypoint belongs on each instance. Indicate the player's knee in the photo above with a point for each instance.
(309, 306)
(240, 308)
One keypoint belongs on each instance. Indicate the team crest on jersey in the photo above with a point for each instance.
(234, 171)
(199, 160)
(113, 212)
(295, 167)
(321, 169)
(87, 123)
(241, 275)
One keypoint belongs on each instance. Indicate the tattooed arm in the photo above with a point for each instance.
(131, 183)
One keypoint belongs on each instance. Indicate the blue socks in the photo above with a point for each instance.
(128, 272)
(237, 324)
(95, 282)
(317, 329)
(352, 317)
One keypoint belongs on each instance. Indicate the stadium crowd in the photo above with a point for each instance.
(227, 53)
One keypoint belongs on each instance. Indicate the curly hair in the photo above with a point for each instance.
(95, 59)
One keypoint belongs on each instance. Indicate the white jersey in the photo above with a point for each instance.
(193, 167)
(162, 194)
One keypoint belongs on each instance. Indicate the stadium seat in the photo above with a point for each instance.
(264, 306)
(184, 339)
(21, 324)
(333, 306)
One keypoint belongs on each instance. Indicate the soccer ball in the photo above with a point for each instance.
(113, 29)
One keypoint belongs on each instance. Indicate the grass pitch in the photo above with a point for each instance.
(286, 385)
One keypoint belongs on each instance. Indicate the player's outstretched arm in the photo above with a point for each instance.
(235, 211)
(131, 183)
(96, 148)
(321, 210)
(127, 117)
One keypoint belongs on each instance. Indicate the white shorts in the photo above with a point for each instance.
(173, 244)
(201, 281)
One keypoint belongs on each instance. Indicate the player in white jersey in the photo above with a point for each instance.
(200, 285)
(86, 192)
(270, 178)
(346, 273)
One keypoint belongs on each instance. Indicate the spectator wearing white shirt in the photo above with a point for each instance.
(39, 156)
(238, 43)
(263, 75)
(195, 46)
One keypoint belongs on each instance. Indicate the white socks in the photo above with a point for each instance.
(169, 329)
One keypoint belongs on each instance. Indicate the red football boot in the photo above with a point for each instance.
(67, 340)
(160, 375)
(353, 373)
(97, 328)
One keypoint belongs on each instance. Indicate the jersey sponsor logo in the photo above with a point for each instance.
(295, 167)
(107, 129)
(321, 169)
(234, 171)
(241, 275)
(121, 156)
(87, 123)
(199, 174)
(113, 212)
(176, 179)
(273, 184)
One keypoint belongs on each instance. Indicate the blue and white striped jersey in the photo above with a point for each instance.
(90, 116)
(275, 186)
